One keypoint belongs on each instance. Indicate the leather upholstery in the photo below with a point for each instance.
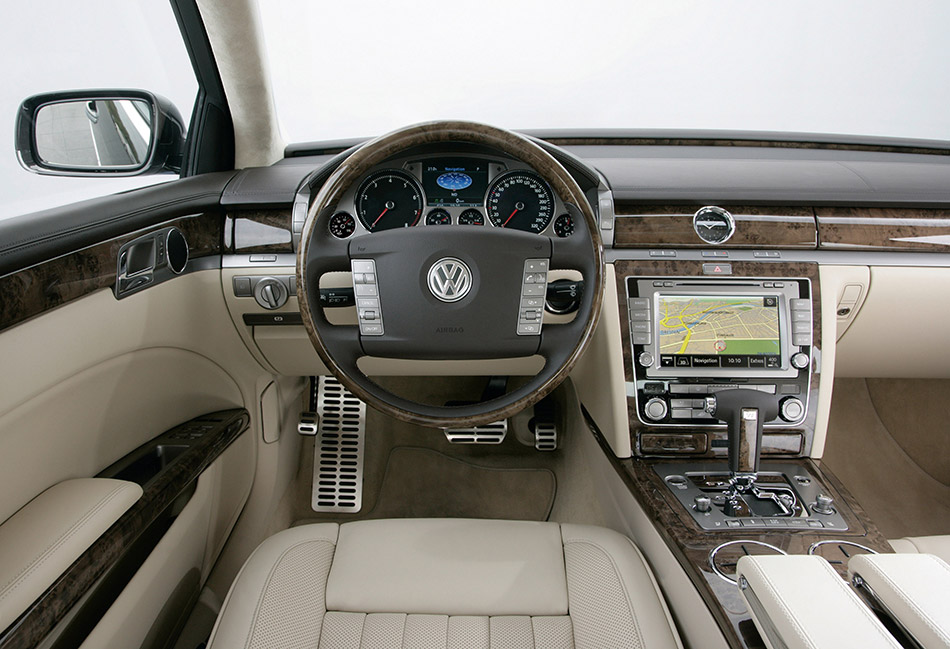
(935, 545)
(914, 588)
(802, 600)
(44, 538)
(445, 583)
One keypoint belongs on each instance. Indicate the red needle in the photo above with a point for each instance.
(380, 216)
(510, 217)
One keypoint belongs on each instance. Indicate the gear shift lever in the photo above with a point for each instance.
(744, 412)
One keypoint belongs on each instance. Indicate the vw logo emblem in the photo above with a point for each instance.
(450, 279)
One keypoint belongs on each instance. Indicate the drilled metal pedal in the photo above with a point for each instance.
(493, 433)
(308, 424)
(545, 436)
(338, 449)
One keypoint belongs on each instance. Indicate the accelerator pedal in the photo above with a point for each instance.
(338, 448)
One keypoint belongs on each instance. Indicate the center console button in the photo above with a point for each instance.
(681, 403)
(698, 389)
(681, 413)
(705, 361)
(645, 359)
(682, 361)
(757, 361)
(666, 360)
(679, 388)
(638, 303)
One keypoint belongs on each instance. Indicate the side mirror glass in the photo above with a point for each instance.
(90, 133)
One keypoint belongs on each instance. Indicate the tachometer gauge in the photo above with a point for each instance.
(389, 199)
(520, 200)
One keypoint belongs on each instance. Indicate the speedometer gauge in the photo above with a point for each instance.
(520, 200)
(389, 199)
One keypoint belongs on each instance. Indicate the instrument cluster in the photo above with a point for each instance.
(451, 190)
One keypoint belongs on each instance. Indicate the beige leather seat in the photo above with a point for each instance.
(447, 583)
(936, 545)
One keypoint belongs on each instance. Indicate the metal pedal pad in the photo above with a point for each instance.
(545, 436)
(309, 423)
(338, 449)
(493, 433)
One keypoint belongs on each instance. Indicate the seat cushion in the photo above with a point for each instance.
(936, 545)
(444, 583)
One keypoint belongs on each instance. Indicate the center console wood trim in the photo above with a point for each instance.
(692, 545)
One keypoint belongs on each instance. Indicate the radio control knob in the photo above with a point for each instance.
(799, 360)
(645, 359)
(791, 409)
(655, 409)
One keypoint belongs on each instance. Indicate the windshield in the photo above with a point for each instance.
(352, 69)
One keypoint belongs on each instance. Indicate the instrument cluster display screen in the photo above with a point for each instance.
(460, 182)
(718, 330)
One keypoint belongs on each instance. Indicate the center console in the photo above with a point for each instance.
(722, 363)
(692, 337)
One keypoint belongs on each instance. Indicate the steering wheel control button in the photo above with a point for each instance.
(367, 297)
(534, 286)
(449, 279)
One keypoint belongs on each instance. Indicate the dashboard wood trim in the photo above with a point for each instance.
(756, 227)
(35, 290)
(258, 231)
(882, 228)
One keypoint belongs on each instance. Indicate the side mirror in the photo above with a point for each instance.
(99, 133)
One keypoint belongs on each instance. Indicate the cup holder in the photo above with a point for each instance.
(724, 557)
(836, 551)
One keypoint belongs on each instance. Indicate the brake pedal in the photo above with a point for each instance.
(338, 448)
(493, 433)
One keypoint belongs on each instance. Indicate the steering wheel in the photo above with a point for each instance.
(450, 293)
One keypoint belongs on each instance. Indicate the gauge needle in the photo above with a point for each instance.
(380, 216)
(511, 217)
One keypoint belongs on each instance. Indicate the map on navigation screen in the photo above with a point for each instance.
(720, 325)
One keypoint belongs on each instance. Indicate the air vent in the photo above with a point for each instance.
(338, 449)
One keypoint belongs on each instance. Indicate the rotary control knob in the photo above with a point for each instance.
(799, 360)
(823, 504)
(655, 409)
(702, 504)
(791, 409)
(271, 293)
(645, 359)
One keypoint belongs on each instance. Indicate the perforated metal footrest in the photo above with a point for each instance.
(493, 433)
(338, 449)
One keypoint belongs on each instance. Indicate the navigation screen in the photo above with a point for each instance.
(455, 181)
(718, 331)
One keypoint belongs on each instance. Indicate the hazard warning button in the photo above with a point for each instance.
(717, 269)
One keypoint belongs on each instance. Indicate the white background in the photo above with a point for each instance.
(359, 68)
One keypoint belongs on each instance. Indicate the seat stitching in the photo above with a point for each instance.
(267, 582)
(623, 587)
(925, 616)
(48, 551)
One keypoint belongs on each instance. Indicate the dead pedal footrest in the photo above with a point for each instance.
(338, 449)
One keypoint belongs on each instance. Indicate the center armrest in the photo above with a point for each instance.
(913, 589)
(800, 602)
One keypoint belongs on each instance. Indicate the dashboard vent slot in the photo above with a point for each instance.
(338, 449)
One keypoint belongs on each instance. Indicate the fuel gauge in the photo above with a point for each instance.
(471, 217)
